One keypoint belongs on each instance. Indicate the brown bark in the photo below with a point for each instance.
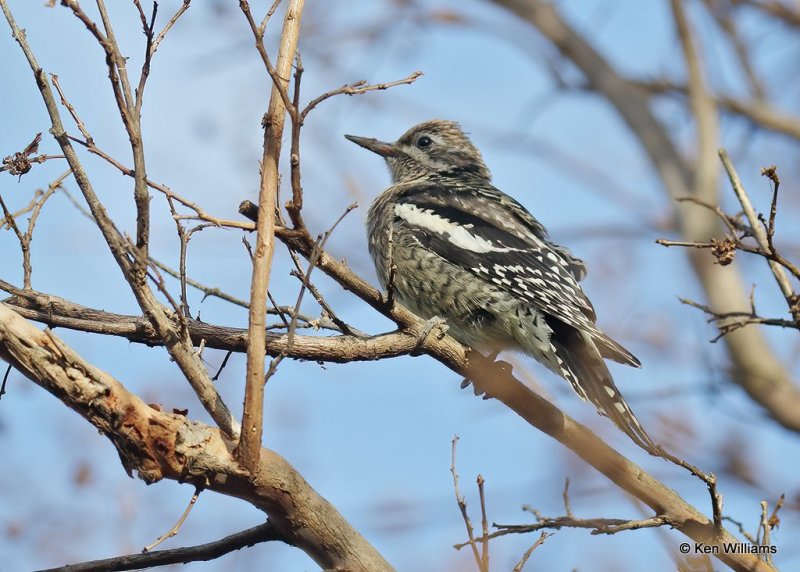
(157, 444)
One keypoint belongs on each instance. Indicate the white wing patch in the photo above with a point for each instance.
(457, 234)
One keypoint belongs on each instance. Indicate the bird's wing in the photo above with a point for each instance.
(512, 252)
(497, 209)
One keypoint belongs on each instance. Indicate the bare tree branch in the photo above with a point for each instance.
(203, 552)
(524, 560)
(59, 313)
(597, 526)
(760, 235)
(462, 507)
(158, 445)
(177, 342)
(253, 418)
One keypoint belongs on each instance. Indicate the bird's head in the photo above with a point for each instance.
(436, 146)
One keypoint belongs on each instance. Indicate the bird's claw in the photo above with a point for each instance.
(427, 329)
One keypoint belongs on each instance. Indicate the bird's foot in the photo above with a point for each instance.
(427, 329)
(478, 386)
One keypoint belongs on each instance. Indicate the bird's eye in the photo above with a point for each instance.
(424, 142)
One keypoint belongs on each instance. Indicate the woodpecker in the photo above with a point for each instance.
(457, 248)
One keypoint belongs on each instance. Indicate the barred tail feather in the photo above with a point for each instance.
(612, 350)
(582, 365)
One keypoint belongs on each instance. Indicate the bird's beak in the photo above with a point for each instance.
(380, 147)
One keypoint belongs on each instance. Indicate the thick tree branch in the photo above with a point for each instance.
(157, 445)
(706, 167)
(760, 113)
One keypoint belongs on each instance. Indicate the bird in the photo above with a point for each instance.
(449, 245)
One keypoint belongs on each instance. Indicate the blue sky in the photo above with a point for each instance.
(374, 438)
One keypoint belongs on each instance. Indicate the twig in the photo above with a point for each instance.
(274, 363)
(277, 308)
(759, 233)
(12, 224)
(26, 238)
(183, 240)
(5, 380)
(710, 479)
(772, 174)
(279, 76)
(263, 26)
(37, 209)
(524, 560)
(155, 276)
(305, 283)
(177, 526)
(71, 109)
(731, 223)
(295, 206)
(357, 88)
(462, 506)
(763, 526)
(565, 496)
(129, 112)
(147, 27)
(305, 276)
(731, 321)
(203, 552)
(597, 526)
(179, 348)
(686, 243)
(208, 291)
(484, 527)
(337, 323)
(766, 524)
(160, 36)
(741, 528)
(37, 194)
(228, 355)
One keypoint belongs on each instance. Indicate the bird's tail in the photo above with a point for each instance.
(582, 365)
